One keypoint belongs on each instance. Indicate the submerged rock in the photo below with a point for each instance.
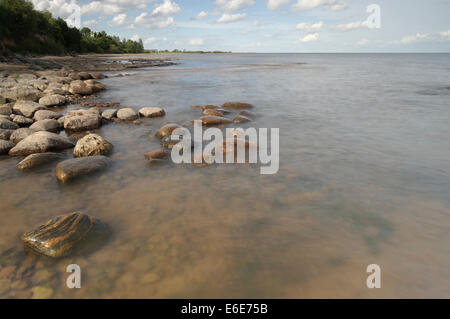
(167, 130)
(152, 112)
(20, 134)
(36, 160)
(41, 142)
(127, 114)
(48, 125)
(211, 112)
(214, 120)
(236, 105)
(65, 235)
(8, 125)
(5, 146)
(53, 100)
(73, 168)
(241, 119)
(82, 120)
(28, 108)
(158, 154)
(92, 145)
(209, 107)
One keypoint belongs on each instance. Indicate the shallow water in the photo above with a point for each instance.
(364, 179)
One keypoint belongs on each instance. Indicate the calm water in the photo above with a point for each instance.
(364, 178)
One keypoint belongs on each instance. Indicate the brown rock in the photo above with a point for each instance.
(236, 105)
(241, 119)
(214, 120)
(158, 154)
(37, 160)
(41, 142)
(166, 130)
(48, 125)
(152, 112)
(212, 112)
(92, 145)
(69, 170)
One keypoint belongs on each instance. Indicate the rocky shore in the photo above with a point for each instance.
(33, 113)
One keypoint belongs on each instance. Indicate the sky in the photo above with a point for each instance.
(269, 25)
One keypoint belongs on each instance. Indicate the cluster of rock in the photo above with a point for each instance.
(212, 115)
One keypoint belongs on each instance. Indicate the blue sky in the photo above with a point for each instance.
(270, 25)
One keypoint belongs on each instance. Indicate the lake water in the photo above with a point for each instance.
(364, 179)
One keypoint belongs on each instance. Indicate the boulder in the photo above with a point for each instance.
(214, 120)
(209, 107)
(52, 100)
(95, 86)
(22, 93)
(66, 235)
(41, 142)
(37, 160)
(21, 120)
(5, 109)
(79, 87)
(84, 75)
(241, 119)
(97, 76)
(236, 105)
(71, 169)
(212, 112)
(8, 125)
(109, 114)
(5, 134)
(92, 145)
(82, 120)
(167, 130)
(5, 146)
(48, 125)
(46, 115)
(246, 113)
(28, 108)
(127, 114)
(152, 112)
(20, 134)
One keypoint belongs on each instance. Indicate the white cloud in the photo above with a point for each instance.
(311, 37)
(135, 37)
(118, 20)
(201, 15)
(425, 37)
(308, 27)
(275, 4)
(228, 17)
(363, 42)
(166, 8)
(91, 23)
(165, 23)
(58, 8)
(151, 40)
(351, 26)
(196, 41)
(234, 5)
(334, 5)
(111, 7)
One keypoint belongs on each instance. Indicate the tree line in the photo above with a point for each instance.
(25, 30)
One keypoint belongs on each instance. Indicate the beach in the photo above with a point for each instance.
(363, 177)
